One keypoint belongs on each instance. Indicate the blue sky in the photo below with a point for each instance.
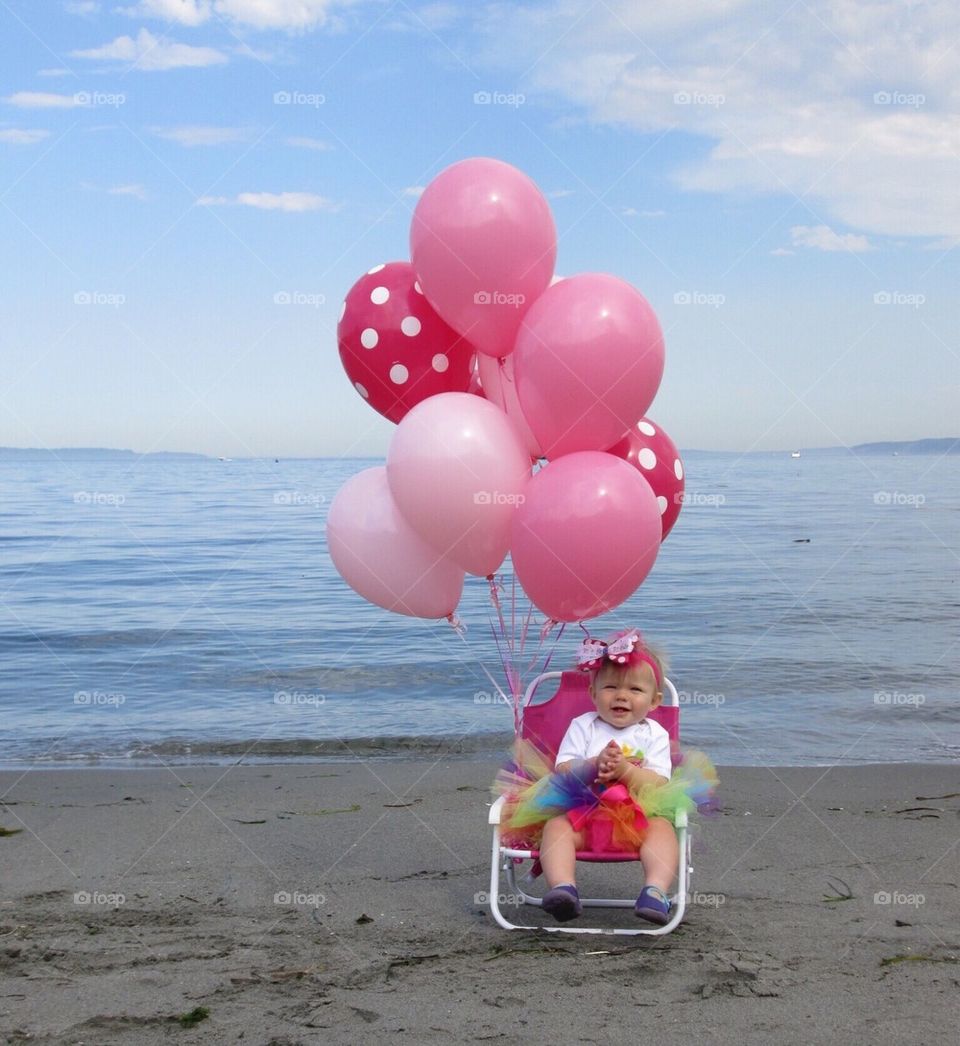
(778, 179)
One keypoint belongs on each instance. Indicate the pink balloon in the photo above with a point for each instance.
(457, 471)
(499, 385)
(586, 535)
(588, 360)
(380, 557)
(483, 245)
(394, 347)
(648, 448)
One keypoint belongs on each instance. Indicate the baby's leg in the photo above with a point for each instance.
(558, 850)
(660, 854)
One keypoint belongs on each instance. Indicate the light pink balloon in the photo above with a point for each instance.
(457, 471)
(588, 361)
(483, 245)
(499, 384)
(380, 556)
(586, 535)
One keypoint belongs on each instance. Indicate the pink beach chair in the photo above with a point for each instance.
(544, 725)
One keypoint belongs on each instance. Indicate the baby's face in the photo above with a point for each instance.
(625, 697)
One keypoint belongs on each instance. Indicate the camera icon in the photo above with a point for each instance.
(81, 697)
(482, 298)
(482, 497)
(482, 98)
(682, 298)
(82, 298)
(282, 897)
(281, 298)
(882, 497)
(882, 298)
(282, 697)
(283, 497)
(882, 98)
(881, 897)
(282, 98)
(681, 98)
(82, 98)
(81, 897)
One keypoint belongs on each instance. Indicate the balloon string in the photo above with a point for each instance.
(457, 625)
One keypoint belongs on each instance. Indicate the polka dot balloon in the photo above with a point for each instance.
(650, 450)
(395, 349)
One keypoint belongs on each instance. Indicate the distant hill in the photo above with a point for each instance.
(100, 453)
(916, 446)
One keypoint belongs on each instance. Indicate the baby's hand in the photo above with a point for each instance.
(610, 763)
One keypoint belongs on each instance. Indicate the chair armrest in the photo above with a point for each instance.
(496, 810)
(680, 820)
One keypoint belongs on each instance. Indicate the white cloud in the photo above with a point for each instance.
(848, 105)
(42, 100)
(17, 136)
(53, 72)
(268, 201)
(782, 252)
(413, 190)
(632, 212)
(309, 143)
(200, 135)
(823, 238)
(151, 54)
(277, 14)
(135, 190)
(82, 7)
(186, 12)
(558, 194)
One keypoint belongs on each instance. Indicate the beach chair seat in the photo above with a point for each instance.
(544, 724)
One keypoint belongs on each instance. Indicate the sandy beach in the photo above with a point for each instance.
(344, 902)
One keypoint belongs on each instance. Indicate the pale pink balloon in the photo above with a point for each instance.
(457, 471)
(588, 361)
(499, 384)
(483, 245)
(381, 558)
(586, 535)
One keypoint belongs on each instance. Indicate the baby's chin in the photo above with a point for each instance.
(620, 722)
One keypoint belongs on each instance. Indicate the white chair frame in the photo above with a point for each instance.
(504, 859)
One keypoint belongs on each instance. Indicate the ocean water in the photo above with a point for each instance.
(186, 610)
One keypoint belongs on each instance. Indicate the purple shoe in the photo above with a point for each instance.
(653, 905)
(563, 903)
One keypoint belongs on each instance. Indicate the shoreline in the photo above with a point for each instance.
(303, 902)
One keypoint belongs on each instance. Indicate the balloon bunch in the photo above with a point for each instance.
(487, 363)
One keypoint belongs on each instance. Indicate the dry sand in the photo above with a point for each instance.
(342, 903)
